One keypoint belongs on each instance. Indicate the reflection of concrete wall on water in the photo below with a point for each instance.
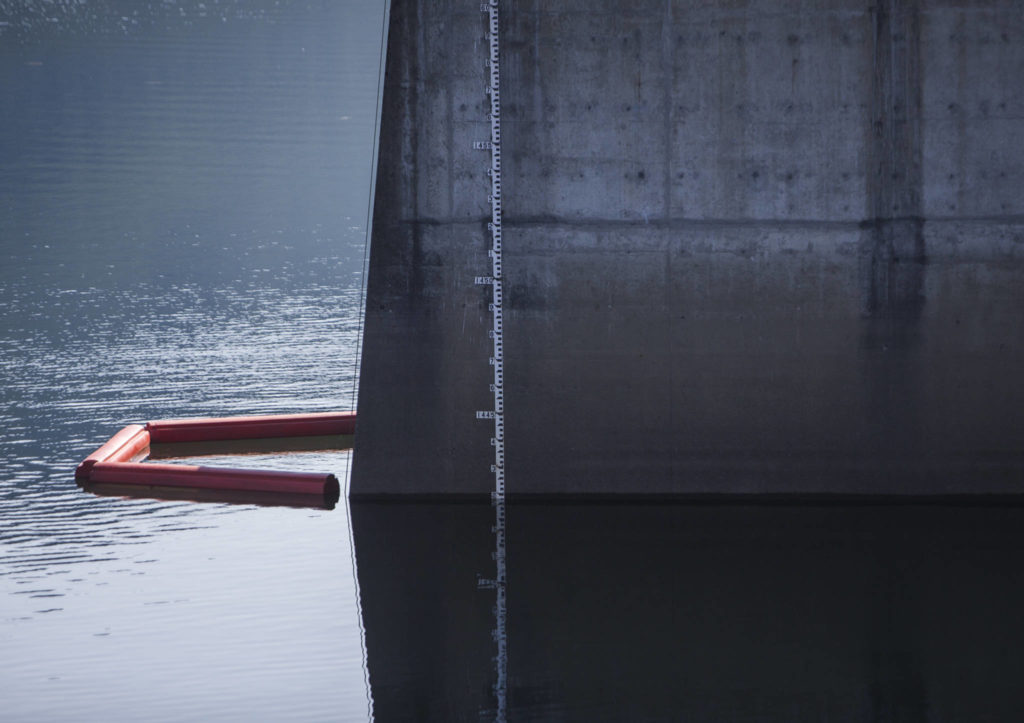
(671, 612)
(428, 627)
(776, 248)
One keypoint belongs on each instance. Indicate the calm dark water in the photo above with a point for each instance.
(697, 613)
(183, 193)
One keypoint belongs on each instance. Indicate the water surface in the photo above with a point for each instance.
(183, 194)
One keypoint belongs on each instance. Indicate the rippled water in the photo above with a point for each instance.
(183, 194)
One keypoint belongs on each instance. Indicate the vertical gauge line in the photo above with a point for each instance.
(497, 362)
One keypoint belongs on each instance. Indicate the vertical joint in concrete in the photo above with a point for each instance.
(893, 253)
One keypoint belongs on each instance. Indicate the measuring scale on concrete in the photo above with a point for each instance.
(495, 280)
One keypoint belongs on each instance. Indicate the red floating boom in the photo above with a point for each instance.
(201, 494)
(221, 478)
(112, 464)
(278, 425)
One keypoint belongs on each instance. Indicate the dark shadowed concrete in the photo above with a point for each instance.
(774, 249)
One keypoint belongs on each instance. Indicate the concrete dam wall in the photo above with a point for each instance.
(769, 247)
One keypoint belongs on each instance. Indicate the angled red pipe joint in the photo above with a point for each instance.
(122, 447)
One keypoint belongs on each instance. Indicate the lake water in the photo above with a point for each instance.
(183, 195)
(183, 192)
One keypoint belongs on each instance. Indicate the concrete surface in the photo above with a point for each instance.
(771, 248)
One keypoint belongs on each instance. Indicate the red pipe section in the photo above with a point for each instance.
(122, 447)
(220, 478)
(277, 425)
(199, 494)
(112, 463)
